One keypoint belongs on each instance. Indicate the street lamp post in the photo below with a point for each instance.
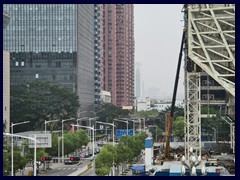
(59, 138)
(12, 141)
(126, 121)
(94, 113)
(35, 148)
(113, 138)
(144, 124)
(110, 125)
(140, 123)
(93, 142)
(90, 120)
(79, 119)
(63, 139)
(49, 122)
(122, 121)
(155, 130)
(81, 113)
(133, 125)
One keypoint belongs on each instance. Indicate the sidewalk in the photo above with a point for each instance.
(28, 171)
(24, 172)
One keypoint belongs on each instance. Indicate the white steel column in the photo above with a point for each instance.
(193, 114)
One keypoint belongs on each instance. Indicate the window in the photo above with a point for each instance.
(58, 64)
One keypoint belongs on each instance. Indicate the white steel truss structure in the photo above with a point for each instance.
(210, 44)
(192, 114)
(211, 41)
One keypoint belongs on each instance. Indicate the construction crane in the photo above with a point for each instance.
(170, 116)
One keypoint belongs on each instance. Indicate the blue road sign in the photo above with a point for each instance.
(123, 132)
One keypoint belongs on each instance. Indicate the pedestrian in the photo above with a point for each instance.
(37, 168)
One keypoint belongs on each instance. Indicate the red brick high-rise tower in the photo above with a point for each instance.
(118, 37)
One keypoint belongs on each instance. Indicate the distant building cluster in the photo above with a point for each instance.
(147, 104)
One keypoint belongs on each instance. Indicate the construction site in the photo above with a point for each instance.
(208, 53)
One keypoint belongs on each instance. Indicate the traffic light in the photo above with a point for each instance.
(46, 158)
(74, 158)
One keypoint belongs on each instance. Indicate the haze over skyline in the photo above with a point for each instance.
(158, 33)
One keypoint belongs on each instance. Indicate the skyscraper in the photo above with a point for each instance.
(6, 81)
(53, 42)
(98, 52)
(118, 37)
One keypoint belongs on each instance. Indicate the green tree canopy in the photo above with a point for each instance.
(75, 140)
(19, 161)
(39, 101)
(128, 148)
(105, 159)
(110, 111)
(146, 114)
(178, 126)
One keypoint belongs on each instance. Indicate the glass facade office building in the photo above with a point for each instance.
(53, 42)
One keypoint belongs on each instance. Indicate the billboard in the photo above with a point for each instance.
(45, 140)
(127, 107)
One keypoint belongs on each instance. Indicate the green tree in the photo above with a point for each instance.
(105, 159)
(128, 148)
(110, 112)
(146, 114)
(178, 127)
(19, 160)
(154, 133)
(75, 140)
(39, 101)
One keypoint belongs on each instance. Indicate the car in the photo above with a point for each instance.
(68, 162)
(90, 152)
(97, 150)
(82, 155)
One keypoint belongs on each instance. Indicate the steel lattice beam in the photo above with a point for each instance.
(211, 41)
(192, 114)
(210, 45)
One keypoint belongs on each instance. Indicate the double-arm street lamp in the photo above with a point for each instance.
(110, 125)
(49, 122)
(35, 149)
(119, 120)
(63, 120)
(79, 119)
(12, 125)
(81, 113)
(133, 125)
(93, 142)
(95, 114)
(155, 126)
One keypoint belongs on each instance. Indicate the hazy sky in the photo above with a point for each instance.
(158, 33)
